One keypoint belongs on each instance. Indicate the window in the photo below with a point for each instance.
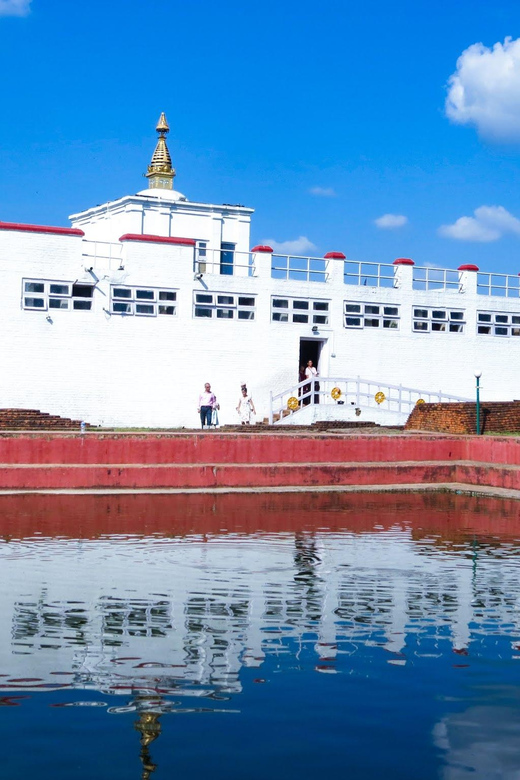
(495, 324)
(370, 315)
(302, 311)
(437, 321)
(222, 306)
(143, 301)
(227, 252)
(82, 296)
(43, 295)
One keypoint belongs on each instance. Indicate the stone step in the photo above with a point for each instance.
(34, 419)
(251, 476)
(246, 476)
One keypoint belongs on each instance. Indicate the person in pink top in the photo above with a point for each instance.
(207, 402)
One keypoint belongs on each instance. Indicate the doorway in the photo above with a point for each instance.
(310, 349)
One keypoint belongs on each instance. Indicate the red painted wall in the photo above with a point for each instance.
(215, 447)
(148, 461)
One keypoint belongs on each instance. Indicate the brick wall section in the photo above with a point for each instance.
(461, 418)
(33, 419)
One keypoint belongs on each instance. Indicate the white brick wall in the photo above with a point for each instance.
(148, 371)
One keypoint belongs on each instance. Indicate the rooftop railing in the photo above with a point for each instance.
(425, 278)
(299, 269)
(106, 251)
(500, 285)
(224, 262)
(369, 274)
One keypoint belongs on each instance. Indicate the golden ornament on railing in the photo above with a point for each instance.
(293, 403)
(335, 393)
(419, 401)
(380, 397)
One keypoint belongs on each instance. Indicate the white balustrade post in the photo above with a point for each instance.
(468, 279)
(262, 261)
(403, 276)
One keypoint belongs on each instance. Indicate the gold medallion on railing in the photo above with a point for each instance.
(293, 403)
(419, 401)
(380, 397)
(335, 393)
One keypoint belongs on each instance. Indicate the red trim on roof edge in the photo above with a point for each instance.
(157, 239)
(260, 248)
(468, 267)
(334, 256)
(57, 231)
(403, 261)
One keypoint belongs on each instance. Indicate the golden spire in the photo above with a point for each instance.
(160, 171)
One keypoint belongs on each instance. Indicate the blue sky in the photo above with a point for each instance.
(323, 117)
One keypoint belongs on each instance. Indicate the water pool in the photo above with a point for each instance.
(259, 636)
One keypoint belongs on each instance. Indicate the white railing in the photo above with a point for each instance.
(357, 392)
(300, 269)
(500, 285)
(105, 251)
(369, 274)
(223, 262)
(425, 278)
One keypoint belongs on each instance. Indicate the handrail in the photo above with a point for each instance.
(357, 391)
(299, 268)
(223, 262)
(498, 285)
(428, 278)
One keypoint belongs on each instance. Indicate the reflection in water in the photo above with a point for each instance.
(149, 727)
(159, 605)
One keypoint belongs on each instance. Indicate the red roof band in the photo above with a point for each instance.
(57, 231)
(157, 239)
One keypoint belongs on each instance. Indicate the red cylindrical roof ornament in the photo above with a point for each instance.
(261, 248)
(334, 256)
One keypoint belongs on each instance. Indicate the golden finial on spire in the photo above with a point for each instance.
(160, 171)
(162, 124)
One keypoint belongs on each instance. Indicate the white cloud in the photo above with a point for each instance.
(14, 7)
(323, 192)
(299, 246)
(484, 91)
(489, 223)
(390, 221)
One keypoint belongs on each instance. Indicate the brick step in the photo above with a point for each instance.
(246, 447)
(78, 476)
(34, 419)
(250, 476)
(319, 425)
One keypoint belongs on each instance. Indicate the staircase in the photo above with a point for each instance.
(349, 398)
(34, 420)
(254, 461)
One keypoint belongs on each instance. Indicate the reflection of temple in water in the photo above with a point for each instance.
(182, 613)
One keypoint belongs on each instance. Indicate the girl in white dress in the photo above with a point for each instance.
(246, 407)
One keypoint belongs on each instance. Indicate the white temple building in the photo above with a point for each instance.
(120, 319)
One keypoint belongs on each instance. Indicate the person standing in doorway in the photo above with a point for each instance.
(310, 374)
(207, 402)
